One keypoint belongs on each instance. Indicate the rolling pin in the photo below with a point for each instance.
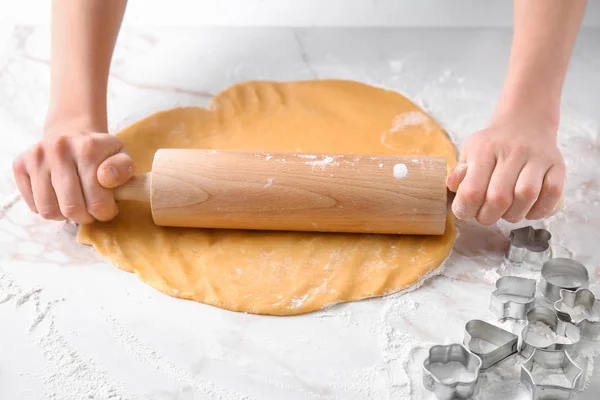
(293, 191)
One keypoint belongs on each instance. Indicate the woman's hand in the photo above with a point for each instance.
(511, 170)
(69, 174)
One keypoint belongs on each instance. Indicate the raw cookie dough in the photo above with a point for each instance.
(277, 273)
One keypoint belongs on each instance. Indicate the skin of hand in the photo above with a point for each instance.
(70, 172)
(513, 169)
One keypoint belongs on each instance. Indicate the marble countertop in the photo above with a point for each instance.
(74, 327)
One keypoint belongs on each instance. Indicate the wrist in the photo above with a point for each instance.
(529, 98)
(58, 121)
(539, 110)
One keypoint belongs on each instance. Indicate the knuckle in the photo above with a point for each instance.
(89, 148)
(72, 211)
(101, 210)
(58, 145)
(527, 193)
(472, 195)
(520, 150)
(48, 212)
(487, 145)
(499, 199)
(553, 189)
(36, 155)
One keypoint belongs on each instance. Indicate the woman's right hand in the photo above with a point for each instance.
(70, 174)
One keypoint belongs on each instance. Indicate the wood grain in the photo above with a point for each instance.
(301, 192)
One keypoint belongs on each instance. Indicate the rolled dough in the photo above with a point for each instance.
(279, 273)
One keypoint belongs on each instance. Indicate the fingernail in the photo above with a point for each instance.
(111, 173)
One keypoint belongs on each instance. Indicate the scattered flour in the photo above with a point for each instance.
(411, 118)
(541, 335)
(321, 163)
(555, 376)
(269, 183)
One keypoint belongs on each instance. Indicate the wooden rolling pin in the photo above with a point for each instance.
(298, 192)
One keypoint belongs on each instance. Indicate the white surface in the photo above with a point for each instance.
(73, 326)
(396, 13)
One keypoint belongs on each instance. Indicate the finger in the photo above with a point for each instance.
(44, 196)
(527, 191)
(115, 170)
(456, 176)
(499, 194)
(472, 190)
(23, 182)
(99, 201)
(552, 189)
(68, 191)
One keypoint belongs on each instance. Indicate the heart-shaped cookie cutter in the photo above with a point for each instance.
(513, 297)
(445, 381)
(529, 246)
(543, 315)
(582, 309)
(535, 370)
(562, 273)
(490, 343)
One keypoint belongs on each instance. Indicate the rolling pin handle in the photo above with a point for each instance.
(137, 189)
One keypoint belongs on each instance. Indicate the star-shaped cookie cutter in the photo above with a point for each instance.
(582, 309)
(535, 370)
(513, 297)
(448, 383)
(569, 333)
(529, 246)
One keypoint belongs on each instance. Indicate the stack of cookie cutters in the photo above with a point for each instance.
(576, 313)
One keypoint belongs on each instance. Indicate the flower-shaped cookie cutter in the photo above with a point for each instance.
(451, 372)
(535, 371)
(490, 343)
(582, 309)
(563, 336)
(529, 246)
(562, 273)
(513, 297)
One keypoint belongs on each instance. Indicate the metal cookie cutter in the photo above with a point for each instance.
(529, 245)
(554, 335)
(562, 273)
(513, 297)
(451, 372)
(582, 309)
(490, 343)
(551, 375)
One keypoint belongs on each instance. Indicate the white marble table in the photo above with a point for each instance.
(74, 327)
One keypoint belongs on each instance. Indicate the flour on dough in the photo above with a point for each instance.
(279, 273)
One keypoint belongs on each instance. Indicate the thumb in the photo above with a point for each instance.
(115, 170)
(456, 176)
